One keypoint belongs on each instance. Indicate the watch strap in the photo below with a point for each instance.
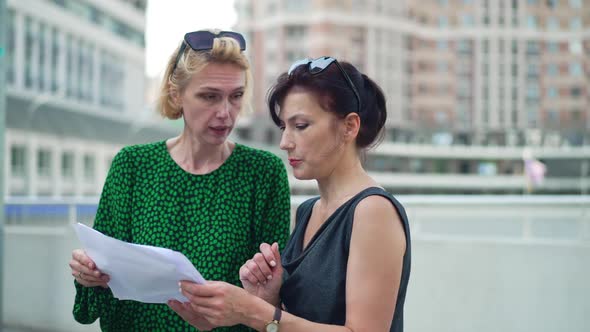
(277, 316)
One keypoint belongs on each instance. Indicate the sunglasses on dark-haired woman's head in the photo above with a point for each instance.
(203, 40)
(316, 66)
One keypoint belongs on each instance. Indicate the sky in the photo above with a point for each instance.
(168, 20)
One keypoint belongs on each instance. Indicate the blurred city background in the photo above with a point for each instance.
(487, 141)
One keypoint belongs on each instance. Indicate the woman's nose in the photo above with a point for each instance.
(286, 143)
(223, 110)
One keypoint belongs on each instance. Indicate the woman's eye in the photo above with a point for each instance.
(238, 95)
(282, 127)
(301, 126)
(208, 97)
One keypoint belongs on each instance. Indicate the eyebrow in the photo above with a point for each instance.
(295, 116)
(212, 89)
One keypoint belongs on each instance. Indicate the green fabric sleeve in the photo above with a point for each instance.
(273, 205)
(113, 218)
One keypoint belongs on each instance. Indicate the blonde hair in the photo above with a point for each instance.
(225, 50)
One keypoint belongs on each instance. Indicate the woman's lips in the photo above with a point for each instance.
(219, 130)
(294, 162)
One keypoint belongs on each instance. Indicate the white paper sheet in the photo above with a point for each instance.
(138, 272)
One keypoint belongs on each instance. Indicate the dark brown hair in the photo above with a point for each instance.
(336, 96)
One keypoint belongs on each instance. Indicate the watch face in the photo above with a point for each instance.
(272, 327)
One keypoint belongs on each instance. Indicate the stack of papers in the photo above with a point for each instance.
(138, 272)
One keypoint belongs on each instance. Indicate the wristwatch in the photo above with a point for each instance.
(273, 325)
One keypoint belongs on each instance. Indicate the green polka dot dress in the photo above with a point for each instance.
(217, 220)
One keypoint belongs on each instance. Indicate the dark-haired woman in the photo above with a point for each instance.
(346, 266)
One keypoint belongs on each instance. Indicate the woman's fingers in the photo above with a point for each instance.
(276, 253)
(268, 253)
(263, 265)
(80, 256)
(246, 275)
(85, 272)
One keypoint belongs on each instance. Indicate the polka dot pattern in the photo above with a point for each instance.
(217, 220)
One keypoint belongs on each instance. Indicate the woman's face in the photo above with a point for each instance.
(310, 136)
(212, 101)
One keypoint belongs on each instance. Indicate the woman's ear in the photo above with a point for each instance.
(175, 97)
(352, 125)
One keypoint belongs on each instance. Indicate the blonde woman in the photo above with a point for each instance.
(198, 193)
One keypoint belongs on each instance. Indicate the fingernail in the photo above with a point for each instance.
(273, 263)
(269, 277)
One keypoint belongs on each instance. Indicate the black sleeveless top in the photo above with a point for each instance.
(314, 281)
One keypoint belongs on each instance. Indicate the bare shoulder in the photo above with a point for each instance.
(375, 218)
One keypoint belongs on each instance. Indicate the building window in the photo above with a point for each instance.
(577, 4)
(551, 3)
(70, 65)
(18, 162)
(42, 44)
(443, 22)
(576, 69)
(552, 69)
(531, 22)
(464, 46)
(553, 47)
(514, 5)
(30, 39)
(532, 47)
(303, 5)
(552, 92)
(10, 45)
(552, 23)
(576, 92)
(467, 20)
(44, 163)
(89, 171)
(532, 92)
(67, 165)
(532, 117)
(55, 52)
(532, 70)
(442, 66)
(552, 118)
(514, 70)
(576, 23)
(575, 47)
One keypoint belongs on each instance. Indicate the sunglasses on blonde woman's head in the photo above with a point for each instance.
(316, 66)
(203, 40)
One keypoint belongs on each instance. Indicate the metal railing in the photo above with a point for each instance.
(550, 219)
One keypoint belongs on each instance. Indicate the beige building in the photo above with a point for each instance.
(492, 72)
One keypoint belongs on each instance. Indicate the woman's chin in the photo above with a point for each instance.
(300, 175)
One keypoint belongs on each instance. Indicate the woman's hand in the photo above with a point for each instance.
(85, 271)
(263, 274)
(219, 303)
(185, 311)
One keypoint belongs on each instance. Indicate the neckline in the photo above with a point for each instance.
(304, 250)
(218, 169)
